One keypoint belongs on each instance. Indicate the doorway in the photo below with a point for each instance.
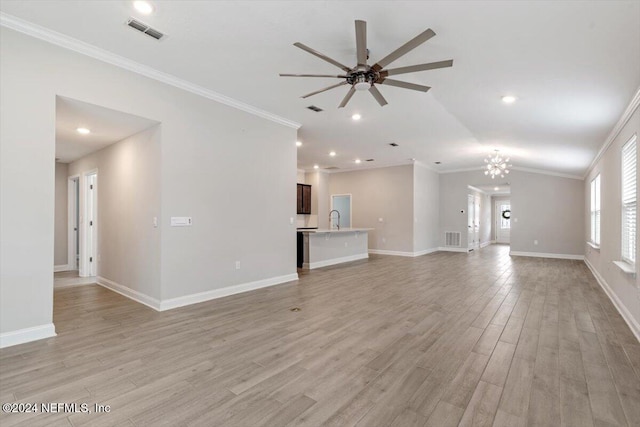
(73, 215)
(89, 226)
(473, 219)
(503, 221)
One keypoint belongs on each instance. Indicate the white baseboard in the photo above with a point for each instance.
(224, 292)
(634, 325)
(25, 335)
(59, 268)
(451, 249)
(334, 261)
(129, 293)
(485, 244)
(401, 253)
(545, 255)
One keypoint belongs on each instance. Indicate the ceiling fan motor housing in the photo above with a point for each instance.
(362, 80)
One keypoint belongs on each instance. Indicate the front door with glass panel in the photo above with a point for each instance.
(503, 221)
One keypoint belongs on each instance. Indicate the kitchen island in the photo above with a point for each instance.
(323, 247)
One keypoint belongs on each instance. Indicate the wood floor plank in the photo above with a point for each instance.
(443, 339)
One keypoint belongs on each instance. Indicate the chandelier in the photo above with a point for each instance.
(497, 165)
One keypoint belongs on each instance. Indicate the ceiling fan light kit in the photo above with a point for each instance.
(364, 77)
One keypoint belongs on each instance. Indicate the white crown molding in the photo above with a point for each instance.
(477, 168)
(471, 187)
(87, 49)
(368, 167)
(631, 108)
(544, 172)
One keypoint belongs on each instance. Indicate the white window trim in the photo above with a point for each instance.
(627, 265)
(595, 208)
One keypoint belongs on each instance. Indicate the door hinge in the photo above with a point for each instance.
(90, 259)
(90, 223)
(91, 187)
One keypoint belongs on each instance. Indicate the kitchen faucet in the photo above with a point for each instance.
(331, 216)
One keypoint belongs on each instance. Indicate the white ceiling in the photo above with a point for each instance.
(107, 127)
(574, 66)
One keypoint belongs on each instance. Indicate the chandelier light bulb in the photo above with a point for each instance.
(497, 165)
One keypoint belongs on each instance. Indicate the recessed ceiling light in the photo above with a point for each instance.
(316, 167)
(332, 153)
(83, 131)
(358, 161)
(298, 144)
(143, 7)
(356, 117)
(496, 188)
(509, 99)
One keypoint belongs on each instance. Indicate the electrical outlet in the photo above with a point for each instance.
(535, 242)
(237, 265)
(384, 240)
(346, 244)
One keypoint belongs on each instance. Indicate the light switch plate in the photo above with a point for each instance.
(181, 221)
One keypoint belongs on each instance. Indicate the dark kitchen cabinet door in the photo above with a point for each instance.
(304, 199)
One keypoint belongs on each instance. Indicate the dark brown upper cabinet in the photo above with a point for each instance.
(304, 199)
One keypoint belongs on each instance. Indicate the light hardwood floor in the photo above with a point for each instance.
(440, 340)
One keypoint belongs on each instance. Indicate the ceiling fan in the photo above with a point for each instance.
(365, 77)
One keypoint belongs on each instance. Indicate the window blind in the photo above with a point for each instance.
(629, 170)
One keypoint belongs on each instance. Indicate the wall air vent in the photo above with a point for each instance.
(452, 238)
(314, 108)
(144, 28)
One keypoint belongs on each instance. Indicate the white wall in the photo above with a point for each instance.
(624, 287)
(426, 198)
(385, 193)
(232, 171)
(546, 208)
(128, 198)
(61, 215)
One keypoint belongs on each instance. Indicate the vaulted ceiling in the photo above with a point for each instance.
(573, 65)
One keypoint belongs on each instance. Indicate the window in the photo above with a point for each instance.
(629, 201)
(505, 223)
(595, 210)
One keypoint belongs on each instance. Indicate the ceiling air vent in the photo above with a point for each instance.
(314, 108)
(144, 28)
(369, 160)
(332, 168)
(393, 144)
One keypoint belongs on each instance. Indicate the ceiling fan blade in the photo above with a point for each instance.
(322, 56)
(378, 96)
(314, 75)
(347, 98)
(405, 85)
(404, 49)
(361, 42)
(323, 90)
(414, 68)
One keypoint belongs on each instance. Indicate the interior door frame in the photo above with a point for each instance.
(87, 268)
(73, 200)
(498, 220)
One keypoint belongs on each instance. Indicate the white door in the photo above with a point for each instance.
(91, 222)
(503, 221)
(473, 223)
(74, 223)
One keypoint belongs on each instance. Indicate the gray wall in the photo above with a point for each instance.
(547, 208)
(128, 198)
(61, 215)
(385, 193)
(625, 287)
(426, 192)
(233, 172)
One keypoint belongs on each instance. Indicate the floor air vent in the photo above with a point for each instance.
(452, 238)
(144, 28)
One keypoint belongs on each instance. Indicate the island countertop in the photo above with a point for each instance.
(334, 230)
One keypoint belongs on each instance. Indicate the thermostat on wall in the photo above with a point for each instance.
(181, 221)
